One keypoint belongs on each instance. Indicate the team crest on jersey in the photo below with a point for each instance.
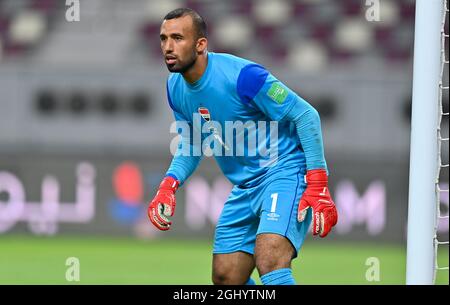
(204, 112)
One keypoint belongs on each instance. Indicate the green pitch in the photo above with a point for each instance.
(33, 260)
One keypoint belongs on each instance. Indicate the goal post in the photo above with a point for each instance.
(424, 163)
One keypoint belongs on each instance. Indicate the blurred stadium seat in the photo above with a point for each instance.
(23, 24)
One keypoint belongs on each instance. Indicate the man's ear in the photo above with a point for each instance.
(202, 45)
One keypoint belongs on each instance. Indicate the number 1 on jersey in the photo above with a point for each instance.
(274, 197)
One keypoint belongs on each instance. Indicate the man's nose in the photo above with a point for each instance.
(168, 46)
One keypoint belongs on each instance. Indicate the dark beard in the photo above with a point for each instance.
(185, 67)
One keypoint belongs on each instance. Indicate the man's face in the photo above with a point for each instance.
(178, 44)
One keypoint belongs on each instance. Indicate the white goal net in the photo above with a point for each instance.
(443, 140)
(429, 143)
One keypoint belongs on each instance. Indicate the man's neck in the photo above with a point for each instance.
(197, 70)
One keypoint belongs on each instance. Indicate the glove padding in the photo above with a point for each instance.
(163, 205)
(318, 198)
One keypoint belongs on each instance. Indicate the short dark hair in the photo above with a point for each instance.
(197, 20)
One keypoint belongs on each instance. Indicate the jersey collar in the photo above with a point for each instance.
(200, 83)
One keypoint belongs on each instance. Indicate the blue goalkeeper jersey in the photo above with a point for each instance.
(238, 110)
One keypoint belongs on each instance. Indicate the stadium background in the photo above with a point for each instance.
(84, 136)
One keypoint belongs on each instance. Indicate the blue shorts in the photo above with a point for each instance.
(269, 207)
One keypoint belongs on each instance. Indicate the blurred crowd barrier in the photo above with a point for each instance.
(48, 195)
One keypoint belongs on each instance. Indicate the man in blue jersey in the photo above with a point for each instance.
(274, 199)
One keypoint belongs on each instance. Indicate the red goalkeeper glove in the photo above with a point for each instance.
(318, 198)
(163, 205)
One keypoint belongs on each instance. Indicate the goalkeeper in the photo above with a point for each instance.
(269, 211)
